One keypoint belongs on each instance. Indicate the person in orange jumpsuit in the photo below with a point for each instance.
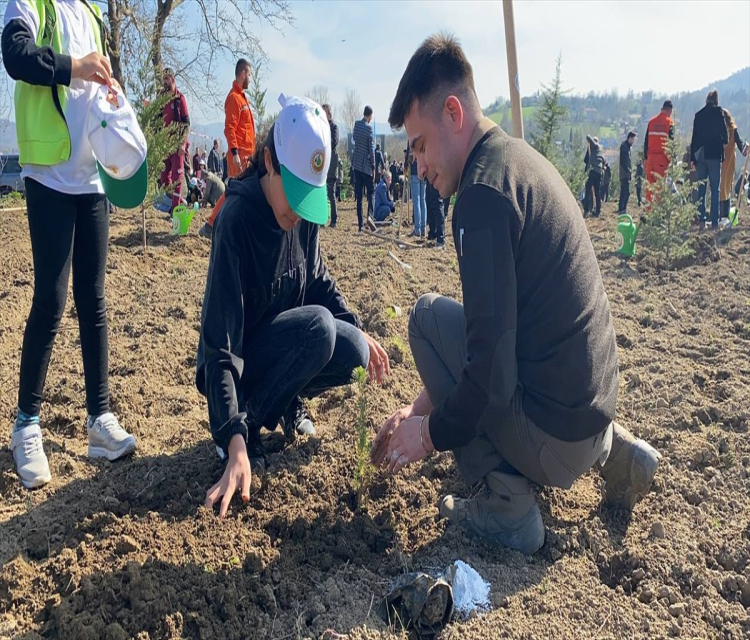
(660, 128)
(239, 129)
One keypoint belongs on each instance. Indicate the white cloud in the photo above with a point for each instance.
(657, 44)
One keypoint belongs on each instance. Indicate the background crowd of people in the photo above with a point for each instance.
(710, 158)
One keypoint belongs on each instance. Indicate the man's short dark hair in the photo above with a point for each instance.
(713, 98)
(667, 104)
(240, 66)
(368, 110)
(216, 142)
(437, 69)
(167, 72)
(632, 134)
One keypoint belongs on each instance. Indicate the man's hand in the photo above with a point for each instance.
(382, 440)
(236, 476)
(237, 162)
(379, 366)
(692, 166)
(405, 445)
(94, 68)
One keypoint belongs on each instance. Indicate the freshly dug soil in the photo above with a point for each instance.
(126, 550)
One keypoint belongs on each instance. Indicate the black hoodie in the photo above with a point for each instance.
(255, 272)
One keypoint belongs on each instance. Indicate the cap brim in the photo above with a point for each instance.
(126, 194)
(306, 200)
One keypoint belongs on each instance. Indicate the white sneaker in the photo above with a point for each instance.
(28, 453)
(107, 439)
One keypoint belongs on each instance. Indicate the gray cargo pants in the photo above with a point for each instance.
(437, 336)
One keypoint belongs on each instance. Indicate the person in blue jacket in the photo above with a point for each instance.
(384, 206)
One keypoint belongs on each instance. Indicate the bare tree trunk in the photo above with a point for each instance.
(115, 44)
(164, 8)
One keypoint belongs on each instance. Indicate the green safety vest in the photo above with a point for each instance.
(41, 129)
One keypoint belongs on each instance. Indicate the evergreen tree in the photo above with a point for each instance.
(550, 115)
(257, 99)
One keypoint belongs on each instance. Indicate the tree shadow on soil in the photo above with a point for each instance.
(134, 238)
(244, 594)
(306, 571)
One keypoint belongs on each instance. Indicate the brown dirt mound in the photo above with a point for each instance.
(126, 550)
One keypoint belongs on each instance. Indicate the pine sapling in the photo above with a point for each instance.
(666, 222)
(363, 469)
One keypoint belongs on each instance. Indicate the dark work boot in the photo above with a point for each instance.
(504, 512)
(629, 470)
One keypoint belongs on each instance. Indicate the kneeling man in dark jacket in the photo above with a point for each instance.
(521, 380)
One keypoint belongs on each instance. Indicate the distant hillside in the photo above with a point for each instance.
(735, 82)
(610, 116)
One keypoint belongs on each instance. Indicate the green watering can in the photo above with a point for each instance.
(734, 216)
(627, 232)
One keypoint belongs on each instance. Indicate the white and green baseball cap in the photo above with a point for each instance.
(302, 137)
(119, 147)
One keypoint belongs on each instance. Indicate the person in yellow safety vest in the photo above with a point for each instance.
(660, 128)
(55, 51)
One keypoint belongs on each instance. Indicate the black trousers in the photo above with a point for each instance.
(622, 205)
(363, 185)
(437, 212)
(638, 187)
(605, 191)
(331, 190)
(593, 189)
(66, 231)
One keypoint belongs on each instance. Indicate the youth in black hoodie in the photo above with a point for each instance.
(254, 356)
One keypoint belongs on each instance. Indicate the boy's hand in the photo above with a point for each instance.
(379, 366)
(94, 67)
(237, 475)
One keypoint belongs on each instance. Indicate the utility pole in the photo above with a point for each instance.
(510, 46)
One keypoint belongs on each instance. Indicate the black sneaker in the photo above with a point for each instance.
(296, 420)
(257, 454)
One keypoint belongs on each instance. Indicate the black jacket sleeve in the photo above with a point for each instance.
(371, 146)
(487, 237)
(645, 143)
(721, 126)
(27, 62)
(222, 331)
(334, 137)
(320, 288)
(695, 141)
(738, 140)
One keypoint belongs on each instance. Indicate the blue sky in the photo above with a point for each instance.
(605, 45)
(666, 46)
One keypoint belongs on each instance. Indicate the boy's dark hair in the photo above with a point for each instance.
(667, 104)
(368, 110)
(240, 66)
(437, 69)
